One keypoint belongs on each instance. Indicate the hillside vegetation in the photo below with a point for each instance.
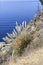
(27, 47)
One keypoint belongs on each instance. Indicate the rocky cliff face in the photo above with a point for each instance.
(27, 48)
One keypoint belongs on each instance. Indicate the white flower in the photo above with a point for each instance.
(18, 29)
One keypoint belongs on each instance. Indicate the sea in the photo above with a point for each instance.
(12, 11)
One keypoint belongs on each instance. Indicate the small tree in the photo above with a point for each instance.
(41, 3)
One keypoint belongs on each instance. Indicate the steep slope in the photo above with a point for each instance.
(33, 58)
(27, 48)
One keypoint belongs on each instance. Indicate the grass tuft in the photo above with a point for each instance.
(20, 47)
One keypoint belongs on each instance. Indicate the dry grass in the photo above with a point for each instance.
(34, 58)
(20, 43)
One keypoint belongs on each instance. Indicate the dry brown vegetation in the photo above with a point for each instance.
(27, 48)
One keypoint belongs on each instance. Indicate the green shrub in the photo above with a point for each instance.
(41, 2)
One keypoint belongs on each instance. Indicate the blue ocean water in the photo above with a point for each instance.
(12, 11)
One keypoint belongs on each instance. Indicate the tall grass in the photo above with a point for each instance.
(21, 46)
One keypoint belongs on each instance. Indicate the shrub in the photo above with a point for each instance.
(20, 47)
